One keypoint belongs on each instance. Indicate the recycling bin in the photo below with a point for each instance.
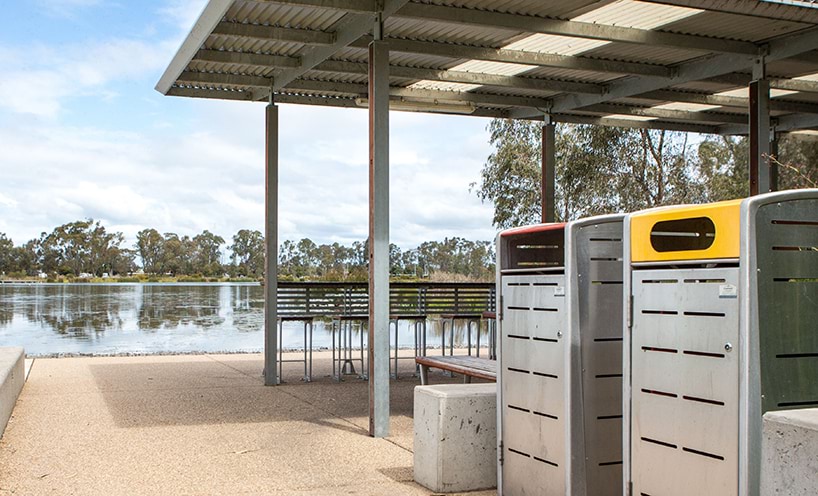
(560, 358)
(721, 326)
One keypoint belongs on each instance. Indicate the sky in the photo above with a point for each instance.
(84, 134)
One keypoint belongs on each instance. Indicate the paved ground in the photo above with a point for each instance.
(201, 424)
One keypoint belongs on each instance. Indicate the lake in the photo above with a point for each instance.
(101, 319)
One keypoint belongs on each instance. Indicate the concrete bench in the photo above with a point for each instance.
(789, 461)
(12, 377)
(467, 366)
(455, 437)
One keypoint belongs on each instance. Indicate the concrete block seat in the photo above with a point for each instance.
(789, 453)
(12, 377)
(455, 437)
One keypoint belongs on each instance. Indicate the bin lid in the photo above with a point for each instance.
(686, 232)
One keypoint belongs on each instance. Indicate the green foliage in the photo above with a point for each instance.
(606, 170)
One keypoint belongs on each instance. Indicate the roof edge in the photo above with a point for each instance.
(211, 15)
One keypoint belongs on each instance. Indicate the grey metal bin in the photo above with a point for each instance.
(722, 326)
(559, 359)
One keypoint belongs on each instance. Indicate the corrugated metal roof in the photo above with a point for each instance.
(612, 35)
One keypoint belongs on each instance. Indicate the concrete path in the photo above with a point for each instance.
(201, 424)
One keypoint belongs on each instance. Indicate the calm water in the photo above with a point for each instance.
(51, 319)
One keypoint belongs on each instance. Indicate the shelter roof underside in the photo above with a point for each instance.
(667, 64)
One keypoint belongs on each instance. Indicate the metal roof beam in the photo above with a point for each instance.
(699, 69)
(247, 58)
(273, 33)
(678, 115)
(770, 10)
(226, 79)
(348, 29)
(208, 19)
(795, 122)
(740, 79)
(575, 29)
(727, 101)
(456, 51)
(370, 6)
(465, 77)
(626, 123)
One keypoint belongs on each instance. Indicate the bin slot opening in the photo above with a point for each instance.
(543, 460)
(795, 280)
(798, 403)
(519, 409)
(703, 453)
(543, 374)
(705, 281)
(795, 248)
(543, 309)
(514, 336)
(613, 240)
(521, 371)
(660, 350)
(547, 340)
(519, 308)
(546, 284)
(609, 417)
(603, 283)
(519, 284)
(797, 355)
(704, 354)
(606, 340)
(703, 400)
(608, 376)
(605, 259)
(516, 452)
(697, 233)
(546, 415)
(605, 464)
(660, 312)
(660, 393)
(795, 222)
(660, 443)
(660, 281)
(705, 314)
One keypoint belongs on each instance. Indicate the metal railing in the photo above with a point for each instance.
(332, 299)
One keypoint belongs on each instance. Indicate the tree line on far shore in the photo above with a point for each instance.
(85, 248)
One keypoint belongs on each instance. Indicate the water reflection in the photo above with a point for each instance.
(150, 318)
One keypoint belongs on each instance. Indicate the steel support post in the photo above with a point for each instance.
(759, 136)
(774, 164)
(271, 248)
(378, 236)
(549, 163)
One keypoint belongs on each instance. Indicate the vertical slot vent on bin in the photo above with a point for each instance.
(697, 233)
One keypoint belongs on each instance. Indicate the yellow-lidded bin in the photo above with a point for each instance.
(686, 232)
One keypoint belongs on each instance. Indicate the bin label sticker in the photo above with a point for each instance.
(728, 291)
(559, 291)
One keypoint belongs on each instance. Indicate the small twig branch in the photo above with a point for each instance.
(771, 159)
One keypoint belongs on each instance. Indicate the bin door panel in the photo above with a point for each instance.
(533, 385)
(685, 381)
(787, 298)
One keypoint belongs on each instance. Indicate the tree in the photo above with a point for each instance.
(6, 254)
(797, 162)
(248, 253)
(207, 253)
(599, 170)
(149, 245)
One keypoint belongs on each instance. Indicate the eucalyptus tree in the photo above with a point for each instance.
(247, 253)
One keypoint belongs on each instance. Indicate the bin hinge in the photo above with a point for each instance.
(630, 311)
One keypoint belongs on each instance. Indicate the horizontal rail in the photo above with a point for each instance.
(329, 299)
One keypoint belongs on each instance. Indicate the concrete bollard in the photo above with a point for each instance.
(789, 461)
(456, 437)
(12, 377)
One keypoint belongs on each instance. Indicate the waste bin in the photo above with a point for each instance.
(559, 358)
(721, 326)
